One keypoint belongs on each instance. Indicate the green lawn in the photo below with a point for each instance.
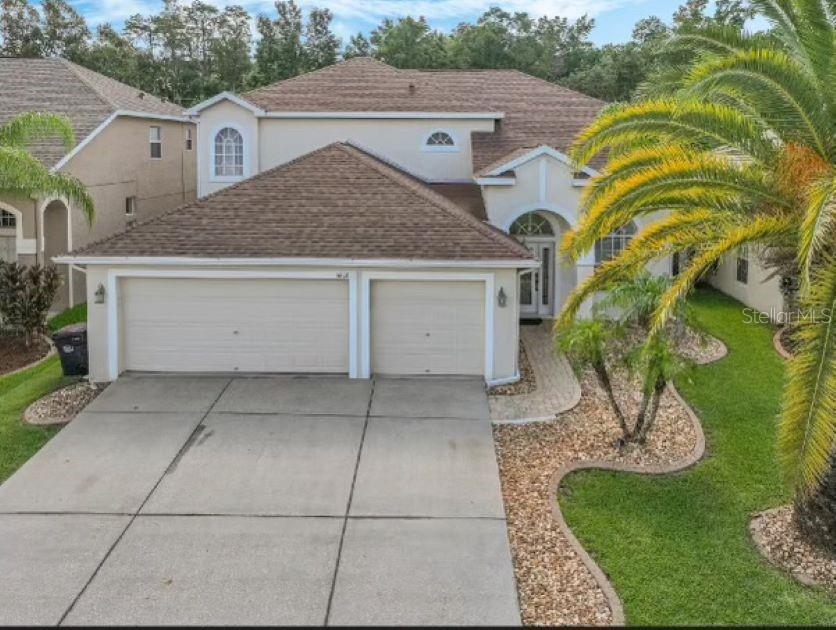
(677, 547)
(19, 441)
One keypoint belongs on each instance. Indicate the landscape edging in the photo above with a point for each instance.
(779, 347)
(51, 353)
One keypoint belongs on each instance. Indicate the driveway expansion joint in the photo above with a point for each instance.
(139, 508)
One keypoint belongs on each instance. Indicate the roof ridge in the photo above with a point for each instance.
(99, 95)
(440, 201)
(309, 73)
(561, 88)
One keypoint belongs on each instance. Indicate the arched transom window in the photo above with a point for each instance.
(611, 246)
(440, 140)
(7, 219)
(229, 153)
(532, 224)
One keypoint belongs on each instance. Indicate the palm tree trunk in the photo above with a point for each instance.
(606, 385)
(815, 515)
(640, 417)
(658, 390)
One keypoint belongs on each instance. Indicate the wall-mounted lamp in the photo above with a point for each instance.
(501, 298)
(100, 294)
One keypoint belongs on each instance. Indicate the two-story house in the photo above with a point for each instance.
(134, 153)
(359, 219)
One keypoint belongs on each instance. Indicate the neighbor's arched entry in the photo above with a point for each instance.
(56, 241)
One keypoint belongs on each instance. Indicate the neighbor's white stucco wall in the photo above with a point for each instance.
(759, 292)
(270, 142)
(505, 331)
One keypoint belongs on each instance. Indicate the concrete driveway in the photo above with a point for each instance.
(280, 500)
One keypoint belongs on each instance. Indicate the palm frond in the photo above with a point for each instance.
(33, 126)
(818, 224)
(760, 230)
(776, 86)
(807, 432)
(709, 124)
(21, 173)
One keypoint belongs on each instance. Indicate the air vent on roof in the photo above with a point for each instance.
(412, 88)
(141, 95)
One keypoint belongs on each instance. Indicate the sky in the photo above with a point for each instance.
(614, 18)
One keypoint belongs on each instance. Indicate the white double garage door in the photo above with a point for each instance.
(300, 325)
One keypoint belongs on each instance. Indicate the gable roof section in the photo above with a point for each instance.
(337, 202)
(534, 112)
(58, 86)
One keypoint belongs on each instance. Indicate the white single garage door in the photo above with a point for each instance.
(246, 325)
(428, 327)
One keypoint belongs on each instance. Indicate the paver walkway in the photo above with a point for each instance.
(184, 500)
(557, 390)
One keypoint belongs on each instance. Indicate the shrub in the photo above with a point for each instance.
(26, 295)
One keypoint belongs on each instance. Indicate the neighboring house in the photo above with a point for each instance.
(134, 153)
(359, 219)
(743, 276)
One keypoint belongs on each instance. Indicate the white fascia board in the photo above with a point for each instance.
(299, 262)
(124, 113)
(534, 154)
(496, 181)
(389, 115)
(224, 96)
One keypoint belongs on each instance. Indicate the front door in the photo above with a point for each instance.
(537, 287)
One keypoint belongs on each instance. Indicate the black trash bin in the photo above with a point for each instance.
(71, 343)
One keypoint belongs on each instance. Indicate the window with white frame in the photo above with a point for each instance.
(7, 219)
(229, 153)
(155, 136)
(130, 207)
(440, 141)
(611, 246)
(743, 264)
(189, 142)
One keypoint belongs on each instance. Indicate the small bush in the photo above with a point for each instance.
(26, 295)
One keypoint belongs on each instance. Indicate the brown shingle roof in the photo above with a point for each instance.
(60, 87)
(536, 112)
(336, 202)
(360, 84)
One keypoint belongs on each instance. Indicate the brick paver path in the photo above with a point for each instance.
(557, 388)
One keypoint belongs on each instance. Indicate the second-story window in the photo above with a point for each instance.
(229, 153)
(189, 139)
(743, 265)
(155, 135)
(440, 141)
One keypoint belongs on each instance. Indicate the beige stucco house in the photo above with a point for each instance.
(359, 219)
(134, 153)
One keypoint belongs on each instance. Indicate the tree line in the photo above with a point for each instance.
(190, 51)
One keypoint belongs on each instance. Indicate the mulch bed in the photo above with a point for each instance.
(63, 404)
(14, 354)
(555, 586)
(526, 384)
(788, 340)
(780, 542)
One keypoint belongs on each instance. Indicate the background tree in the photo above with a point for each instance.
(321, 45)
(65, 33)
(410, 43)
(20, 31)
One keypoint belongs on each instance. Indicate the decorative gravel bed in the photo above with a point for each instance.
(555, 586)
(526, 384)
(780, 542)
(63, 404)
(700, 348)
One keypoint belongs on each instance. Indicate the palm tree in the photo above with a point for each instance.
(736, 148)
(23, 174)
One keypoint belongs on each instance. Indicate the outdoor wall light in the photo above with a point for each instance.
(501, 298)
(100, 294)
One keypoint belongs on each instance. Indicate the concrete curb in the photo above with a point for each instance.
(52, 352)
(779, 347)
(618, 618)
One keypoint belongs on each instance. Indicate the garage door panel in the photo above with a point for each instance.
(427, 327)
(235, 325)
